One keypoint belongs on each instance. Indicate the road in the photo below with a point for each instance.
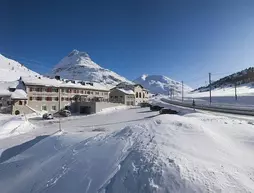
(223, 109)
(89, 125)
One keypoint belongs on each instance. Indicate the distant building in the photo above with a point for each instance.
(140, 93)
(120, 95)
(12, 96)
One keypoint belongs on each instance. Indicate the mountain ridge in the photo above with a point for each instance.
(160, 84)
(12, 70)
(239, 78)
(78, 65)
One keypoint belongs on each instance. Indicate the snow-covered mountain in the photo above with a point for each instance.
(11, 70)
(161, 84)
(79, 66)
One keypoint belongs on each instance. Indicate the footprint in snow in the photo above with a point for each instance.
(158, 121)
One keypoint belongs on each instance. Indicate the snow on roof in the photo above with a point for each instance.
(18, 93)
(43, 81)
(125, 91)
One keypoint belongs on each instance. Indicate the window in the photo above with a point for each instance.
(49, 89)
(111, 97)
(38, 98)
(143, 95)
(30, 98)
(97, 93)
(55, 89)
(62, 90)
(53, 108)
(136, 94)
(20, 102)
(38, 89)
(88, 92)
(56, 98)
(116, 97)
(25, 102)
(48, 98)
(140, 95)
(81, 91)
(105, 93)
(31, 89)
(91, 92)
(121, 96)
(44, 107)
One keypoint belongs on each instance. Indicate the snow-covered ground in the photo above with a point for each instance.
(245, 95)
(14, 125)
(131, 150)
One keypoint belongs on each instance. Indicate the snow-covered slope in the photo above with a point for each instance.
(161, 84)
(135, 151)
(10, 70)
(79, 66)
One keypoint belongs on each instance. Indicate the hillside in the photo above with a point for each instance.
(11, 70)
(159, 84)
(244, 77)
(79, 66)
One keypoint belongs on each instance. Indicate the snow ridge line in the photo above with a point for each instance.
(132, 164)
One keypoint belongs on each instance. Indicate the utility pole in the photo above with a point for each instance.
(210, 88)
(182, 91)
(235, 92)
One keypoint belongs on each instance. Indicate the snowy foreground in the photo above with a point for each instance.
(131, 150)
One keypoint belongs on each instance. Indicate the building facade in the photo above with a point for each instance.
(140, 93)
(122, 96)
(53, 99)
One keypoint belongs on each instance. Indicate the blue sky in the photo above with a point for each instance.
(182, 39)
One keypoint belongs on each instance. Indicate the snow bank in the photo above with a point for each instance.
(13, 125)
(181, 110)
(165, 153)
(113, 109)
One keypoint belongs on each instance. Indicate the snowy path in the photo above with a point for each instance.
(135, 151)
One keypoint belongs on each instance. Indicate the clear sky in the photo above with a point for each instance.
(182, 39)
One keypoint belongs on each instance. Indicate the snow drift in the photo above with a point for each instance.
(190, 153)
